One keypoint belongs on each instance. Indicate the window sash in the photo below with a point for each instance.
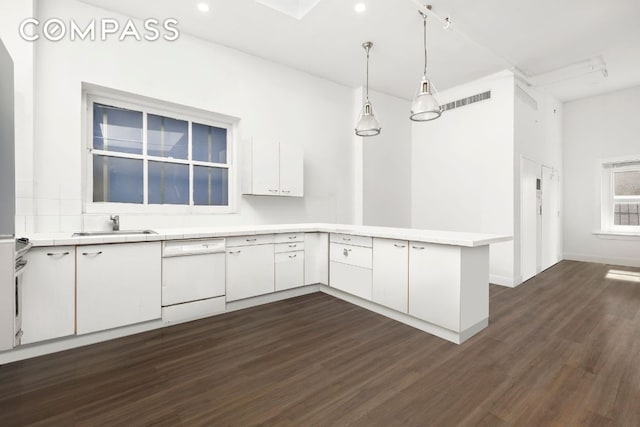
(94, 207)
(609, 199)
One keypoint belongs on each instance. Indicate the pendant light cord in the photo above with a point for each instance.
(424, 18)
(367, 94)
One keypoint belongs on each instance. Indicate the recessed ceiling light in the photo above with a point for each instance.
(203, 7)
(360, 7)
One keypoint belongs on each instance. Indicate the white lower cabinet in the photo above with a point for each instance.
(48, 294)
(289, 270)
(434, 284)
(117, 285)
(391, 273)
(351, 279)
(250, 271)
(316, 260)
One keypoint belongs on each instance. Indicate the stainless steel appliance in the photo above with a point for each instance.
(7, 201)
(22, 247)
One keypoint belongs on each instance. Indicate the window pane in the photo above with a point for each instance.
(117, 180)
(627, 183)
(168, 183)
(210, 186)
(167, 137)
(626, 214)
(209, 143)
(117, 129)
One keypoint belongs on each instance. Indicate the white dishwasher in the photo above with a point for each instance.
(193, 279)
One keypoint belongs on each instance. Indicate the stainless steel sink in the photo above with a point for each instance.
(113, 233)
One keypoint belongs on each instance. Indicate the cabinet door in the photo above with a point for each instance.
(434, 284)
(265, 169)
(291, 171)
(250, 271)
(351, 279)
(49, 294)
(117, 285)
(289, 270)
(391, 273)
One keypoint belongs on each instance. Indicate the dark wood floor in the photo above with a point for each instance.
(562, 349)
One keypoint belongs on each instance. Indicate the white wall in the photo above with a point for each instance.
(12, 12)
(538, 137)
(387, 164)
(596, 128)
(462, 168)
(273, 102)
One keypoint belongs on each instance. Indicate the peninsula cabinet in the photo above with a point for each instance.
(250, 270)
(117, 285)
(273, 169)
(391, 273)
(48, 294)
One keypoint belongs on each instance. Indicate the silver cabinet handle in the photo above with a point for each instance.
(293, 246)
(234, 252)
(346, 252)
(286, 191)
(57, 254)
(273, 191)
(399, 246)
(92, 253)
(418, 247)
(348, 239)
(251, 240)
(293, 256)
(292, 237)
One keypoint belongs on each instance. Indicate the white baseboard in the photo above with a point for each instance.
(509, 282)
(624, 262)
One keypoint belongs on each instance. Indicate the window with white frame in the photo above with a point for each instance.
(621, 196)
(139, 155)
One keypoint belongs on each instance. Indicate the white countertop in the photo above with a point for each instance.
(427, 236)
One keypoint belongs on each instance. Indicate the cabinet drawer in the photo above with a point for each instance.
(259, 239)
(352, 240)
(289, 270)
(289, 237)
(351, 279)
(352, 255)
(289, 247)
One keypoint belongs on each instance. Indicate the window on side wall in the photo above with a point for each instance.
(146, 159)
(621, 196)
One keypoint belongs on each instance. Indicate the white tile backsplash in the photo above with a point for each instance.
(70, 207)
(24, 206)
(70, 223)
(48, 223)
(24, 189)
(48, 207)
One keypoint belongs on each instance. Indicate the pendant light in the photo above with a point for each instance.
(367, 123)
(425, 106)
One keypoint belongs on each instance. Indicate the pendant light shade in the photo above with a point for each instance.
(425, 105)
(367, 124)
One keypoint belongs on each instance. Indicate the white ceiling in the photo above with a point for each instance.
(535, 36)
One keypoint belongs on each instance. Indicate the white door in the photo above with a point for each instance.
(391, 273)
(118, 285)
(265, 168)
(529, 217)
(550, 250)
(250, 271)
(192, 278)
(291, 171)
(49, 294)
(289, 270)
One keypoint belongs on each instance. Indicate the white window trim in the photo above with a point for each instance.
(149, 106)
(607, 227)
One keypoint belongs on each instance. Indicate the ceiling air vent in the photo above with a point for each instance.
(294, 8)
(466, 101)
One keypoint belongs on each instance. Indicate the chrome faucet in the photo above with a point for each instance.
(116, 222)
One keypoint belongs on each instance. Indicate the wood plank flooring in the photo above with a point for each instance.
(562, 349)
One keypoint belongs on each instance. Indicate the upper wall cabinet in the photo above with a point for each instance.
(273, 169)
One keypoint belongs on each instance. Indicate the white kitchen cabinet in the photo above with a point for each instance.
(117, 285)
(289, 270)
(250, 271)
(274, 169)
(391, 273)
(49, 294)
(316, 260)
(434, 284)
(351, 279)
